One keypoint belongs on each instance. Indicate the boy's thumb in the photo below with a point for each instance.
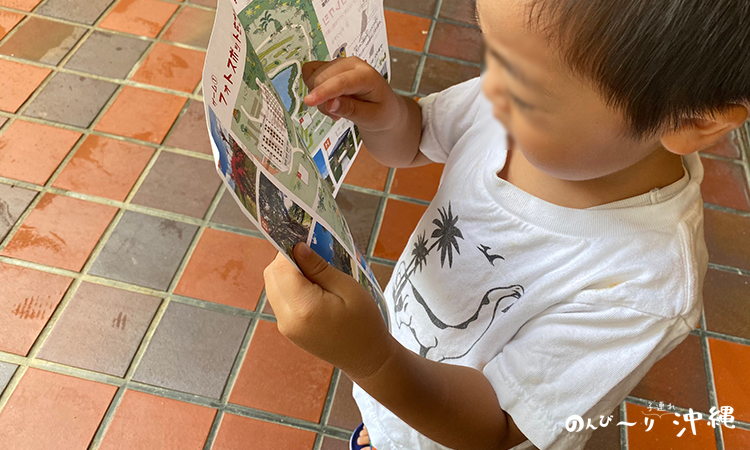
(317, 270)
(352, 109)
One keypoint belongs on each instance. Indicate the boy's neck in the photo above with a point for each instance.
(658, 170)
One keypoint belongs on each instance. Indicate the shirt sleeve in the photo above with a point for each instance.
(446, 115)
(577, 359)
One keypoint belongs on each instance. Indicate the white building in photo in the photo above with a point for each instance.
(274, 139)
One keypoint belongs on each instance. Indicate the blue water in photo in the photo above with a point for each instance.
(322, 243)
(281, 83)
(320, 161)
(224, 162)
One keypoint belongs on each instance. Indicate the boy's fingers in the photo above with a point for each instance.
(309, 68)
(329, 69)
(346, 83)
(352, 109)
(291, 285)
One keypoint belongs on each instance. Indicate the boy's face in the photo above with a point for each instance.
(558, 121)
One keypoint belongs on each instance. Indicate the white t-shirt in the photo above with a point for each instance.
(563, 310)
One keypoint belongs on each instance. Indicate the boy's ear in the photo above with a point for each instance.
(701, 133)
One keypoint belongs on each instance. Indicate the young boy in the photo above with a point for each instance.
(563, 253)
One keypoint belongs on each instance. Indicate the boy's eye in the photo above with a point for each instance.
(521, 104)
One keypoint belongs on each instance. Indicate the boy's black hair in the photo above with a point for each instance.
(660, 62)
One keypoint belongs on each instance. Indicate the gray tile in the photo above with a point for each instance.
(424, 7)
(71, 99)
(359, 210)
(404, 66)
(191, 132)
(228, 212)
(344, 412)
(192, 350)
(42, 40)
(330, 443)
(144, 250)
(100, 329)
(13, 202)
(75, 10)
(107, 54)
(439, 74)
(180, 184)
(6, 372)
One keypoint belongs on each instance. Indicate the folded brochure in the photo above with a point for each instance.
(282, 161)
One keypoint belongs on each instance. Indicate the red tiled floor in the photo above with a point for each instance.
(456, 41)
(728, 238)
(17, 82)
(192, 26)
(399, 221)
(731, 364)
(279, 377)
(663, 432)
(726, 303)
(104, 167)
(172, 67)
(23, 5)
(53, 411)
(367, 172)
(142, 17)
(60, 232)
(142, 114)
(417, 182)
(242, 433)
(727, 146)
(27, 300)
(31, 152)
(8, 20)
(227, 268)
(147, 422)
(406, 31)
(735, 438)
(382, 273)
(725, 184)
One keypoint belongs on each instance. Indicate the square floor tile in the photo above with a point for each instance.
(725, 184)
(438, 75)
(360, 210)
(663, 433)
(100, 329)
(42, 40)
(330, 443)
(60, 232)
(13, 202)
(75, 10)
(424, 7)
(209, 3)
(27, 301)
(147, 422)
(17, 82)
(53, 411)
(2, 121)
(728, 238)
(399, 221)
(140, 17)
(344, 412)
(679, 378)
(180, 184)
(107, 54)
(23, 5)
(71, 99)
(172, 67)
(404, 67)
(192, 26)
(228, 212)
(193, 350)
(8, 20)
(104, 167)
(458, 10)
(736, 438)
(382, 273)
(31, 152)
(725, 299)
(728, 145)
(6, 373)
(227, 268)
(279, 377)
(367, 172)
(731, 364)
(406, 31)
(141, 114)
(243, 433)
(418, 182)
(606, 438)
(190, 131)
(456, 41)
(144, 250)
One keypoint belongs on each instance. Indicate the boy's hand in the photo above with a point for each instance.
(327, 313)
(349, 87)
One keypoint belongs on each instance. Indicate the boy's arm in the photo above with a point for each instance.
(453, 405)
(390, 124)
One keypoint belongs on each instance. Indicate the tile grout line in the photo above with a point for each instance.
(328, 405)
(710, 381)
(623, 429)
(423, 55)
